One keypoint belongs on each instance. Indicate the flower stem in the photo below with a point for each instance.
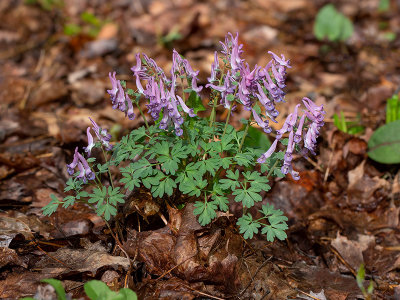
(272, 169)
(108, 168)
(143, 116)
(227, 119)
(245, 133)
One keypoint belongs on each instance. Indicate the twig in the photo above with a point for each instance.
(317, 166)
(201, 293)
(328, 169)
(343, 261)
(307, 294)
(254, 276)
(119, 243)
(173, 268)
(52, 257)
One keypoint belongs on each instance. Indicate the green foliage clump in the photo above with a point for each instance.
(384, 144)
(333, 25)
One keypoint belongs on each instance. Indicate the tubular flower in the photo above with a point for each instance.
(85, 172)
(72, 166)
(267, 154)
(263, 124)
(90, 145)
(214, 69)
(102, 134)
(114, 90)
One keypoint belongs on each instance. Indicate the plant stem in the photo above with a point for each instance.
(227, 119)
(245, 133)
(272, 169)
(108, 168)
(143, 116)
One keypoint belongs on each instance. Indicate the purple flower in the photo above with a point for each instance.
(280, 60)
(289, 149)
(194, 85)
(85, 173)
(90, 145)
(131, 115)
(265, 101)
(295, 175)
(88, 173)
(261, 123)
(186, 109)
(233, 50)
(72, 166)
(114, 83)
(178, 130)
(102, 135)
(299, 131)
(267, 154)
(280, 80)
(120, 99)
(293, 119)
(214, 69)
(284, 129)
(226, 89)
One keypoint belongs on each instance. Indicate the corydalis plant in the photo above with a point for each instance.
(181, 157)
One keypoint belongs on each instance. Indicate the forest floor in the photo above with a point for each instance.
(343, 212)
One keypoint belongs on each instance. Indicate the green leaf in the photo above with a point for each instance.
(108, 210)
(370, 289)
(115, 196)
(360, 276)
(244, 159)
(165, 186)
(98, 195)
(52, 206)
(192, 171)
(247, 197)
(72, 29)
(95, 288)
(221, 201)
(57, 285)
(129, 181)
(332, 24)
(384, 5)
(247, 227)
(128, 294)
(212, 164)
(139, 133)
(205, 211)
(194, 102)
(347, 29)
(256, 139)
(384, 144)
(153, 180)
(393, 109)
(230, 97)
(91, 19)
(229, 184)
(226, 162)
(192, 187)
(68, 201)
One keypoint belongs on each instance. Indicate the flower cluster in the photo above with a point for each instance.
(235, 83)
(315, 117)
(103, 136)
(85, 172)
(119, 98)
(160, 91)
(264, 85)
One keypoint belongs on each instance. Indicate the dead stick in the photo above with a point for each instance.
(343, 261)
